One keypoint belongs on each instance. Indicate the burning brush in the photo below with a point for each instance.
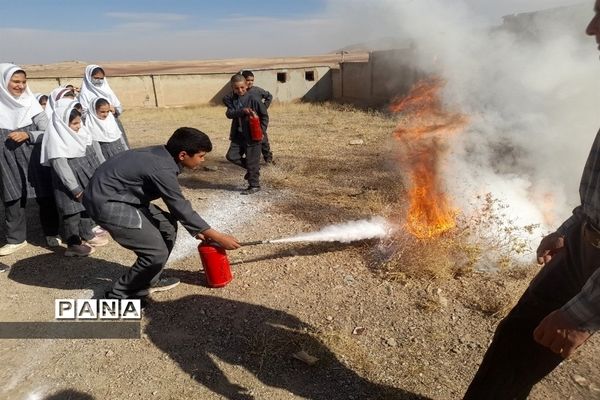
(422, 135)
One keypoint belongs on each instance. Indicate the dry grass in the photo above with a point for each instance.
(330, 181)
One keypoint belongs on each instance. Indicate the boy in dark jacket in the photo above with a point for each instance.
(243, 151)
(119, 195)
(266, 98)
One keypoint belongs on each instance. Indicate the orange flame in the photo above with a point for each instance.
(422, 134)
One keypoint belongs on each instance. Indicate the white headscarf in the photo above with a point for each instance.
(55, 100)
(102, 130)
(89, 91)
(15, 112)
(60, 141)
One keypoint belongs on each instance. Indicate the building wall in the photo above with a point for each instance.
(178, 90)
(386, 75)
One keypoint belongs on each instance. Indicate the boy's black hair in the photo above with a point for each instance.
(237, 78)
(43, 98)
(96, 70)
(247, 73)
(190, 140)
(101, 102)
(74, 114)
(20, 71)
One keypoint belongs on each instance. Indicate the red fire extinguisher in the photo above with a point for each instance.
(215, 263)
(256, 132)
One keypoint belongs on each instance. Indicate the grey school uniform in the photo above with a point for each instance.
(119, 197)
(22, 177)
(111, 149)
(82, 169)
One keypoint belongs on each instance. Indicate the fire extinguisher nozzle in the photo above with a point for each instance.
(253, 243)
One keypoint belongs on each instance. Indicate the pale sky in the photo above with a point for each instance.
(44, 32)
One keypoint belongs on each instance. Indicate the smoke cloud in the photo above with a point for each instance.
(530, 93)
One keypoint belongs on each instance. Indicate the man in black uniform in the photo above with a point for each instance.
(119, 195)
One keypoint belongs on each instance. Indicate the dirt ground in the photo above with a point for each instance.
(375, 337)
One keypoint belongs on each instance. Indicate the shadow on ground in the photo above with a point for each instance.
(56, 271)
(69, 394)
(204, 331)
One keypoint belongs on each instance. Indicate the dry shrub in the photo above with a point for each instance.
(486, 240)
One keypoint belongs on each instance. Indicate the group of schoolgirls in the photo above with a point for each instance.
(50, 147)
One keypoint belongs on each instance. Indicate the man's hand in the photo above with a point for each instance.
(549, 246)
(226, 241)
(79, 196)
(247, 111)
(558, 333)
(18, 136)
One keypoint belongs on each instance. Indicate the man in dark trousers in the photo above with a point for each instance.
(560, 309)
(119, 195)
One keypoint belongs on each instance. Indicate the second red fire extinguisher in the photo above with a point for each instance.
(256, 132)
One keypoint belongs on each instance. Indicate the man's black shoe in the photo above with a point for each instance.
(251, 190)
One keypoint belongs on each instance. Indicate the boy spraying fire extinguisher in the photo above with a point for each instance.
(247, 115)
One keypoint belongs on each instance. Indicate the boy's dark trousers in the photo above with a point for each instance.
(152, 244)
(251, 162)
(16, 222)
(266, 148)
(77, 227)
(514, 362)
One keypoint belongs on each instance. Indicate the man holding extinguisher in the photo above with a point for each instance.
(245, 135)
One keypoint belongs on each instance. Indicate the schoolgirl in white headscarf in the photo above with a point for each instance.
(42, 99)
(104, 128)
(68, 147)
(58, 96)
(22, 124)
(95, 85)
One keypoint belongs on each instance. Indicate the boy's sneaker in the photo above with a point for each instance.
(98, 231)
(97, 241)
(250, 190)
(79, 250)
(163, 284)
(53, 241)
(10, 248)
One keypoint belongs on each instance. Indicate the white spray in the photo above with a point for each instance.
(374, 228)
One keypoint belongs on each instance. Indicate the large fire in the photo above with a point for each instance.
(422, 133)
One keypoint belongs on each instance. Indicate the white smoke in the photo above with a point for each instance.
(374, 228)
(532, 104)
